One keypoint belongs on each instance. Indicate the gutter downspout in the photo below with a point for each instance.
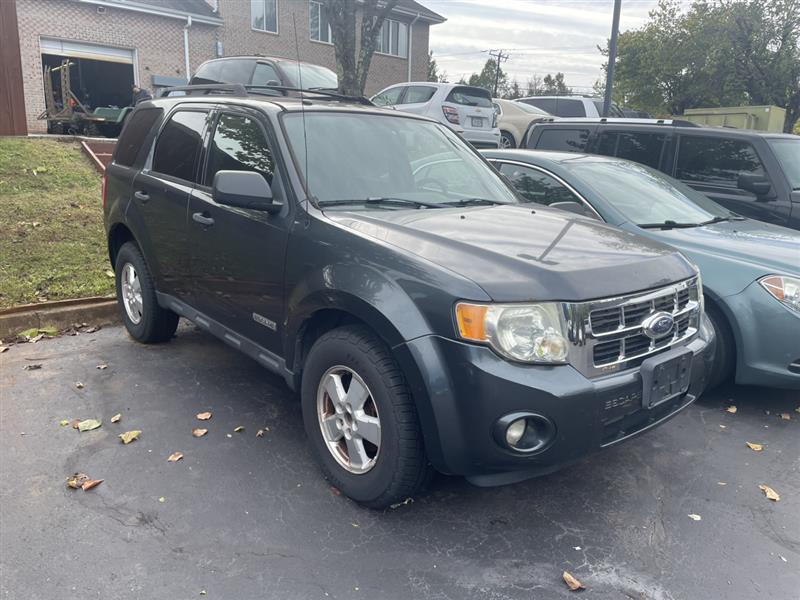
(186, 47)
(410, 40)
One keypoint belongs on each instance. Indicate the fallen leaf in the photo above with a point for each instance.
(355, 524)
(571, 582)
(336, 491)
(723, 426)
(731, 409)
(175, 456)
(721, 483)
(129, 436)
(33, 367)
(204, 416)
(238, 429)
(116, 418)
(199, 432)
(769, 493)
(29, 333)
(260, 433)
(403, 503)
(3, 349)
(786, 416)
(76, 480)
(75, 423)
(109, 273)
(35, 339)
(89, 424)
(228, 435)
(755, 447)
(87, 485)
(162, 499)
(64, 422)
(797, 410)
(79, 385)
(102, 366)
(694, 517)
(49, 331)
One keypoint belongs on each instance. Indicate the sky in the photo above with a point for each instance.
(541, 36)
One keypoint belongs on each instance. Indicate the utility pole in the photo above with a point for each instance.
(612, 57)
(501, 57)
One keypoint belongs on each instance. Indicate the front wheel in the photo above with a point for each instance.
(724, 363)
(361, 419)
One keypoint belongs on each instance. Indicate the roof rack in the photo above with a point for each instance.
(238, 89)
(630, 121)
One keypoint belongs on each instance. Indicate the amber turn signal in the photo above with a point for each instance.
(472, 321)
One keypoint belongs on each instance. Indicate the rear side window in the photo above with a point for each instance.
(716, 161)
(418, 94)
(569, 108)
(645, 148)
(264, 74)
(239, 144)
(225, 71)
(134, 134)
(390, 97)
(568, 140)
(178, 146)
(546, 104)
(470, 96)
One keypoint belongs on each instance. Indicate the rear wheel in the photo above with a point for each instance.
(361, 419)
(725, 358)
(507, 140)
(144, 319)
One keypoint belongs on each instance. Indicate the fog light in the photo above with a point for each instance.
(515, 431)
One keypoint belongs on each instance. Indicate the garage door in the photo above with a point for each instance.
(83, 50)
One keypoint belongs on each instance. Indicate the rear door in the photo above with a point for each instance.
(645, 147)
(563, 139)
(473, 106)
(417, 100)
(238, 254)
(389, 97)
(161, 197)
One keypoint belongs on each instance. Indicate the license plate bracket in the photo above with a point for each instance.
(666, 376)
(477, 121)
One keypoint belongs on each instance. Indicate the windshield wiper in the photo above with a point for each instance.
(668, 224)
(473, 201)
(390, 200)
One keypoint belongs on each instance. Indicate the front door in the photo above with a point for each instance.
(238, 254)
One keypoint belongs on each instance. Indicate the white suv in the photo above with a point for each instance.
(465, 109)
(572, 106)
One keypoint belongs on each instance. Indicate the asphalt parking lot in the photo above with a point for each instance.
(249, 517)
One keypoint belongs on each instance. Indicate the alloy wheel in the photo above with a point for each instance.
(131, 291)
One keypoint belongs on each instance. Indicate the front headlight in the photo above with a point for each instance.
(530, 333)
(784, 289)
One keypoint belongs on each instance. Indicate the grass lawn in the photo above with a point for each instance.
(52, 245)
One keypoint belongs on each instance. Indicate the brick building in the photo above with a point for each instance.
(158, 43)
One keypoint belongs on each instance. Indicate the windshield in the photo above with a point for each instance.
(646, 196)
(313, 76)
(357, 157)
(788, 152)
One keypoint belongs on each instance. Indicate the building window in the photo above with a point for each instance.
(318, 23)
(393, 38)
(264, 15)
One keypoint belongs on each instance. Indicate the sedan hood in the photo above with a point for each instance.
(517, 254)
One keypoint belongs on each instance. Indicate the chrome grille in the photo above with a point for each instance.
(608, 335)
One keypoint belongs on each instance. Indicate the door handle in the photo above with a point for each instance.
(143, 196)
(202, 219)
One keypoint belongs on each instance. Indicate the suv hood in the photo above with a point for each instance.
(518, 254)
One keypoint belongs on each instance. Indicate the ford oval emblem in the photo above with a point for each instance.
(658, 325)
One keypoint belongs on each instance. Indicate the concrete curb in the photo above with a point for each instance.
(101, 310)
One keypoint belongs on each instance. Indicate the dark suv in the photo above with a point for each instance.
(376, 261)
(754, 174)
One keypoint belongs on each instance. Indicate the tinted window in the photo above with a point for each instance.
(535, 186)
(644, 148)
(389, 97)
(419, 93)
(225, 71)
(569, 140)
(569, 108)
(546, 104)
(470, 96)
(613, 110)
(208, 73)
(264, 74)
(239, 144)
(716, 160)
(136, 129)
(788, 152)
(179, 144)
(606, 144)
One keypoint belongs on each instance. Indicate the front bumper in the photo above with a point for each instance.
(767, 339)
(463, 389)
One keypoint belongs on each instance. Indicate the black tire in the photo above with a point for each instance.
(401, 468)
(156, 324)
(507, 140)
(725, 358)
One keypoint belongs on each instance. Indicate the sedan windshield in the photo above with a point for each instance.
(389, 162)
(647, 197)
(788, 152)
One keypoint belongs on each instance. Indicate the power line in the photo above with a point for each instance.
(501, 58)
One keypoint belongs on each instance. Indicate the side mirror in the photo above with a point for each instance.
(243, 189)
(755, 184)
(573, 207)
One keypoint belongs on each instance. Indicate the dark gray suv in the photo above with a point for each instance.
(374, 260)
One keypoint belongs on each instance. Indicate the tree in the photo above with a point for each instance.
(723, 53)
(513, 90)
(486, 78)
(554, 85)
(352, 60)
(534, 85)
(434, 75)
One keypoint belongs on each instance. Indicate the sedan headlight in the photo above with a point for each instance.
(784, 289)
(531, 333)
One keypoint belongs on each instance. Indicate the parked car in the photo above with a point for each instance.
(384, 269)
(465, 109)
(265, 70)
(754, 174)
(572, 106)
(750, 270)
(513, 120)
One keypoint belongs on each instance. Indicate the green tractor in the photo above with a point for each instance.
(66, 114)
